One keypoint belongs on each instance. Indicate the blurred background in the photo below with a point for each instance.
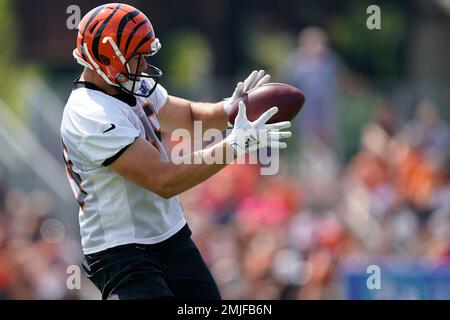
(365, 180)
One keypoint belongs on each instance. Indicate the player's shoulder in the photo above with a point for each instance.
(88, 112)
(90, 103)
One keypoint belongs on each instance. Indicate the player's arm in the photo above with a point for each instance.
(182, 113)
(141, 162)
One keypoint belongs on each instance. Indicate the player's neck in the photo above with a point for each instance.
(92, 77)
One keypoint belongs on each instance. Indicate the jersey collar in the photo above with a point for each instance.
(123, 96)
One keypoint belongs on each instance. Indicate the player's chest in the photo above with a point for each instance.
(146, 120)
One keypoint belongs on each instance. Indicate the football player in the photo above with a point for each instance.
(135, 239)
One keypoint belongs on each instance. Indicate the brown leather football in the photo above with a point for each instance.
(288, 99)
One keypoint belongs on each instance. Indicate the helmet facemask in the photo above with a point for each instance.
(133, 83)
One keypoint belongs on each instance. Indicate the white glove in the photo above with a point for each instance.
(254, 80)
(248, 136)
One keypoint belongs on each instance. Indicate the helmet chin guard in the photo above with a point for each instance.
(135, 84)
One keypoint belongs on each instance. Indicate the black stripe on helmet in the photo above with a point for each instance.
(147, 37)
(98, 35)
(126, 18)
(133, 32)
(96, 12)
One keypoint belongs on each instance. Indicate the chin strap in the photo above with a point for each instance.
(97, 67)
(94, 66)
(81, 61)
(116, 51)
(127, 84)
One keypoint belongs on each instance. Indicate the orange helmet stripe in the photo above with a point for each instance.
(86, 27)
(98, 35)
(148, 37)
(125, 19)
(133, 32)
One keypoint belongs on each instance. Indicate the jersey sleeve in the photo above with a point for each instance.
(159, 97)
(106, 137)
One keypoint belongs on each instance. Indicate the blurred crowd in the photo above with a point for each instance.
(296, 234)
(34, 249)
(293, 235)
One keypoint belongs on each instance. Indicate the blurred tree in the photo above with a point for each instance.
(187, 63)
(14, 71)
(9, 69)
(379, 53)
(8, 45)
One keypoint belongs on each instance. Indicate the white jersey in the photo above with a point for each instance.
(96, 128)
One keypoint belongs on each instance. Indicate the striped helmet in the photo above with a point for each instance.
(109, 36)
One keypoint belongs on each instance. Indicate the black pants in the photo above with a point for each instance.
(172, 269)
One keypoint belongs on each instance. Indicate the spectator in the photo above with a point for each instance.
(314, 68)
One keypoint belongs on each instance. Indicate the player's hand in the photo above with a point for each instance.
(248, 136)
(254, 80)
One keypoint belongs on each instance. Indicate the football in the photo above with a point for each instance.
(288, 99)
